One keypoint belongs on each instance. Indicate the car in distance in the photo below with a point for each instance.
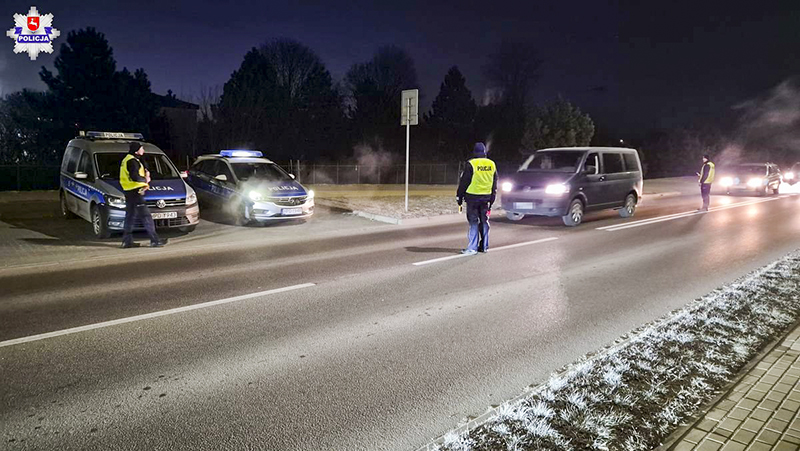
(750, 178)
(570, 181)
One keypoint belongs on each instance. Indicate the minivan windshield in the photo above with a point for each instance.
(269, 172)
(159, 166)
(553, 161)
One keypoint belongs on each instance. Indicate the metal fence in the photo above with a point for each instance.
(347, 174)
(28, 177)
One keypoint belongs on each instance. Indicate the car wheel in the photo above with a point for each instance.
(65, 212)
(188, 229)
(100, 222)
(514, 216)
(574, 215)
(630, 206)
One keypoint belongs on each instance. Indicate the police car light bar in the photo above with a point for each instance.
(110, 135)
(241, 153)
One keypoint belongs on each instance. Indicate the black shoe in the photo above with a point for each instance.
(482, 251)
(129, 245)
(159, 243)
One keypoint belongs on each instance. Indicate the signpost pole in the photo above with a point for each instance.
(408, 140)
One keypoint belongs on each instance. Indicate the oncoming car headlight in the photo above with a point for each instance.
(191, 197)
(507, 187)
(726, 181)
(256, 196)
(556, 189)
(116, 202)
(754, 182)
(789, 176)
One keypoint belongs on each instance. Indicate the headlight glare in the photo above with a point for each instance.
(256, 196)
(754, 182)
(507, 187)
(789, 176)
(311, 194)
(557, 190)
(726, 181)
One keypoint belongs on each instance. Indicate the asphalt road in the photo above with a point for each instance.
(381, 352)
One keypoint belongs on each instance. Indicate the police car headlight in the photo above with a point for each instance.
(507, 187)
(191, 197)
(256, 196)
(754, 182)
(556, 190)
(311, 194)
(726, 181)
(116, 202)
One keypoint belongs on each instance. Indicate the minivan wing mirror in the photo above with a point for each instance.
(222, 178)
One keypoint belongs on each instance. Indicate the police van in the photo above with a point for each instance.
(250, 187)
(90, 187)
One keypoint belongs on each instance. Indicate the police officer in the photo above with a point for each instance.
(706, 175)
(478, 186)
(135, 180)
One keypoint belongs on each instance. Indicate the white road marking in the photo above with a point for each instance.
(494, 249)
(644, 222)
(131, 319)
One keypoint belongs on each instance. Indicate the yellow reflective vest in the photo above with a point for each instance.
(125, 177)
(483, 170)
(711, 171)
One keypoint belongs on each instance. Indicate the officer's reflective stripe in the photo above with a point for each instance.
(125, 177)
(483, 170)
(711, 172)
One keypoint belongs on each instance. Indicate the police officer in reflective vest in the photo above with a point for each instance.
(478, 186)
(706, 175)
(135, 180)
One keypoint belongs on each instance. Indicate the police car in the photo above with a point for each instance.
(250, 187)
(90, 186)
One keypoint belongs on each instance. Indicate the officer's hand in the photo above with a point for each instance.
(459, 200)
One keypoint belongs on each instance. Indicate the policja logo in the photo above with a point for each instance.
(33, 33)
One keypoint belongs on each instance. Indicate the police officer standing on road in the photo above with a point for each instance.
(706, 175)
(478, 186)
(135, 180)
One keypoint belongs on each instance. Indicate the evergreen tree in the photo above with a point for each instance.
(452, 117)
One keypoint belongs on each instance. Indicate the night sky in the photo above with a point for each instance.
(633, 67)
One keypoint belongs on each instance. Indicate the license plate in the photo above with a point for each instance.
(291, 211)
(166, 215)
(523, 205)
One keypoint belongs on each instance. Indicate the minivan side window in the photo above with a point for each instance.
(85, 165)
(72, 159)
(592, 165)
(612, 163)
(631, 165)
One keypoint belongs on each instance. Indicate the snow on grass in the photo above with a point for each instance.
(633, 395)
(394, 206)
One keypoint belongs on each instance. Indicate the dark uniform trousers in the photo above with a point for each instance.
(136, 208)
(477, 216)
(705, 193)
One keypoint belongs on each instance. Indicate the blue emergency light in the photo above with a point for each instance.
(241, 153)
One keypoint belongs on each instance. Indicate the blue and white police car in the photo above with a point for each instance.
(250, 187)
(90, 186)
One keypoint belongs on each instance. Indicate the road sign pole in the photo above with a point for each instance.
(408, 140)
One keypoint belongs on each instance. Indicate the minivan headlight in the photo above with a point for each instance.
(116, 202)
(507, 187)
(556, 190)
(191, 197)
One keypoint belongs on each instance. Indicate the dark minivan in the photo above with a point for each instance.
(570, 181)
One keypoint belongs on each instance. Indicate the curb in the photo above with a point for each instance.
(674, 439)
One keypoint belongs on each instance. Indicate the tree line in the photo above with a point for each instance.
(284, 101)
